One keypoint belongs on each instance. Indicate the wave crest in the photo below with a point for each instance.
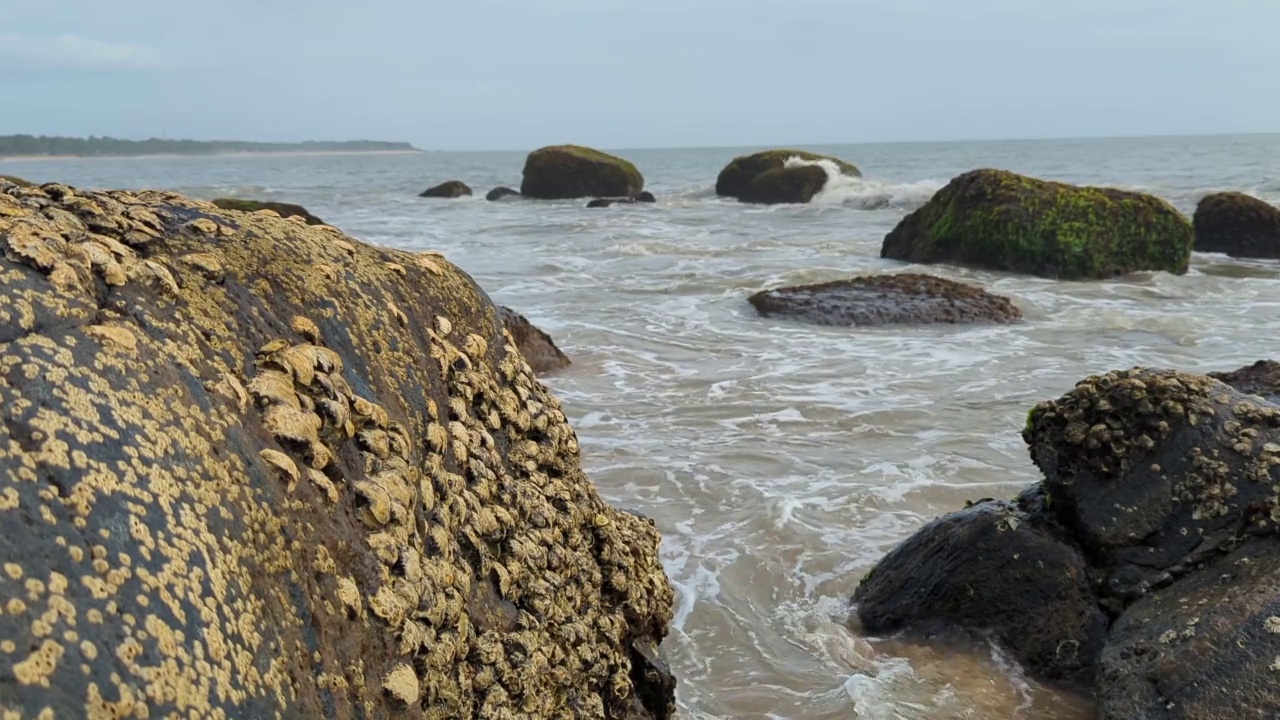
(866, 194)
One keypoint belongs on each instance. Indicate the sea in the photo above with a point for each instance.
(781, 460)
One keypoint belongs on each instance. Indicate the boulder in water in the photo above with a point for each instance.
(571, 171)
(644, 197)
(736, 178)
(1238, 225)
(989, 569)
(449, 190)
(795, 184)
(886, 300)
(1000, 220)
(256, 468)
(499, 193)
(537, 347)
(284, 210)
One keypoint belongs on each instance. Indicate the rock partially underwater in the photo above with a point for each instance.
(561, 172)
(901, 299)
(1261, 378)
(643, 197)
(500, 193)
(1000, 220)
(284, 210)
(255, 468)
(737, 178)
(1155, 527)
(1238, 225)
(448, 190)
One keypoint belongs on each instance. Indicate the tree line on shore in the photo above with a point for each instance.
(96, 146)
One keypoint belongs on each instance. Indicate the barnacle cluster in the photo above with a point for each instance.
(250, 467)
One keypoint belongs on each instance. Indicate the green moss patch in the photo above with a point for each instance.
(562, 172)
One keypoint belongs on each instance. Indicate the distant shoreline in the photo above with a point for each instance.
(222, 154)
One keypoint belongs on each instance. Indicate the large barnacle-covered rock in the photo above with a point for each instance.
(251, 467)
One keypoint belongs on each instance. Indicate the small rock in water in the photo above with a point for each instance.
(448, 190)
(1261, 378)
(1237, 224)
(499, 193)
(907, 298)
(537, 347)
(643, 197)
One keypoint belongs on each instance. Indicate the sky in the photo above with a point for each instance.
(484, 74)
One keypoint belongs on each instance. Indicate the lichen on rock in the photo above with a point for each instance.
(736, 179)
(999, 220)
(251, 467)
(560, 172)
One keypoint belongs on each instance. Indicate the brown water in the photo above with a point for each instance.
(779, 460)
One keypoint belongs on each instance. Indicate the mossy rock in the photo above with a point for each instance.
(999, 220)
(17, 180)
(449, 190)
(284, 210)
(794, 185)
(736, 177)
(570, 171)
(899, 299)
(1238, 225)
(537, 347)
(255, 468)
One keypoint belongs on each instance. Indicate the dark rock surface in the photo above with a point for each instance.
(906, 298)
(1238, 225)
(1261, 378)
(448, 190)
(785, 185)
(255, 468)
(988, 569)
(284, 210)
(499, 193)
(736, 177)
(537, 347)
(999, 220)
(644, 197)
(563, 172)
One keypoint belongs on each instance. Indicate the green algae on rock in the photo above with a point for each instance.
(449, 190)
(796, 184)
(905, 298)
(251, 467)
(736, 178)
(284, 210)
(999, 220)
(1238, 225)
(561, 172)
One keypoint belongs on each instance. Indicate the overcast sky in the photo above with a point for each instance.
(484, 74)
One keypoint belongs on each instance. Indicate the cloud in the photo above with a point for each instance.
(72, 51)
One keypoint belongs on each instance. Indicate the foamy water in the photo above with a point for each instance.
(780, 460)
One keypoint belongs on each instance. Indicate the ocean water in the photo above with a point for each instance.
(780, 460)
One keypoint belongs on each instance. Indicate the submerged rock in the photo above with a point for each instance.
(1207, 646)
(17, 180)
(1000, 220)
(1238, 225)
(284, 210)
(886, 300)
(796, 184)
(449, 190)
(255, 468)
(562, 172)
(988, 569)
(537, 347)
(736, 178)
(499, 193)
(1261, 378)
(644, 197)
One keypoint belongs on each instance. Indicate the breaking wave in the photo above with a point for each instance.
(864, 194)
